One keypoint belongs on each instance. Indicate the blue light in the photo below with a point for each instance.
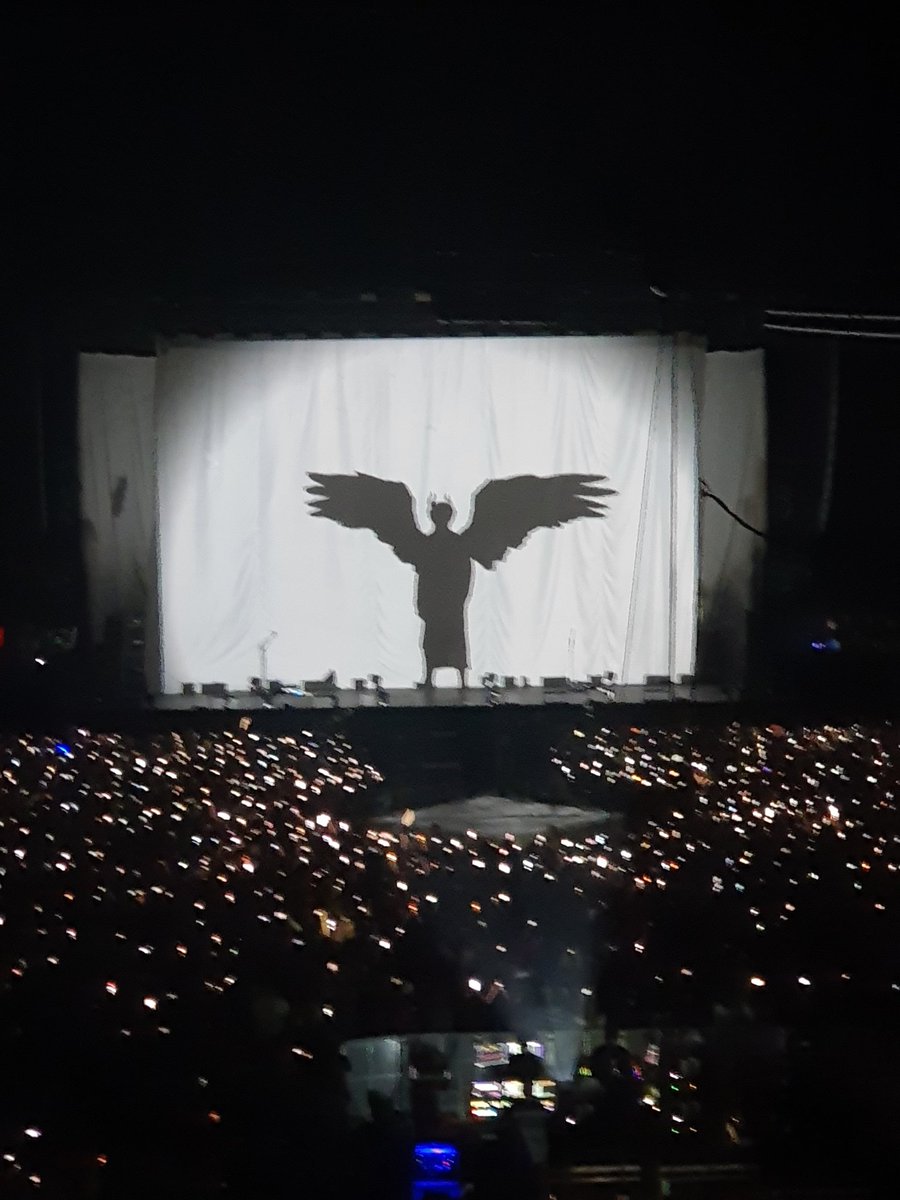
(436, 1157)
(63, 750)
(436, 1171)
(832, 646)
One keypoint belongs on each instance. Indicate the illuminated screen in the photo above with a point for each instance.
(491, 1054)
(403, 507)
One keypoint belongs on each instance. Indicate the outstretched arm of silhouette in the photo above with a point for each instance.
(366, 502)
(506, 511)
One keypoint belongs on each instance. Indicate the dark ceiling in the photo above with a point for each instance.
(521, 152)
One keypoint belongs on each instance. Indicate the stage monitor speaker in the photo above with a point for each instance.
(658, 687)
(359, 685)
(320, 687)
(555, 683)
(189, 689)
(509, 681)
(219, 691)
(687, 680)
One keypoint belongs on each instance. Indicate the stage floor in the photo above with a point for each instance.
(530, 697)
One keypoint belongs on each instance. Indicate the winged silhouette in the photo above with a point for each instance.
(504, 513)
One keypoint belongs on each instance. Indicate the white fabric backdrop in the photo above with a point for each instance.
(733, 463)
(118, 487)
(241, 424)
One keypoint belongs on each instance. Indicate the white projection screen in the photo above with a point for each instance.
(240, 426)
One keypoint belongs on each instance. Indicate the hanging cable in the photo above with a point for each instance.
(673, 507)
(642, 515)
(706, 494)
(698, 525)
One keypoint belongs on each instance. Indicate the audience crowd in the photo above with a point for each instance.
(191, 925)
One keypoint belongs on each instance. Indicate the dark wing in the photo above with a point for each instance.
(365, 502)
(507, 510)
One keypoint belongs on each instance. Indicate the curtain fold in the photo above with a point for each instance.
(733, 463)
(118, 487)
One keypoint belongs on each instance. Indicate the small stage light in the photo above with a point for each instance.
(436, 1171)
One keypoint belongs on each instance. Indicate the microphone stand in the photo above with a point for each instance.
(263, 648)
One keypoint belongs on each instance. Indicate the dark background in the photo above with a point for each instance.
(358, 139)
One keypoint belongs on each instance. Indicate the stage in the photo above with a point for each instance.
(523, 508)
(444, 698)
